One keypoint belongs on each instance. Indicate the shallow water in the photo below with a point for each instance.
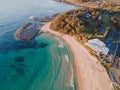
(41, 67)
(41, 64)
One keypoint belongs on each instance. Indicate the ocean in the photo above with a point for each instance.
(44, 63)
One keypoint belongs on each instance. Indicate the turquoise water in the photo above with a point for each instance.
(44, 63)
(40, 67)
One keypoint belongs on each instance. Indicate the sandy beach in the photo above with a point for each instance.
(91, 75)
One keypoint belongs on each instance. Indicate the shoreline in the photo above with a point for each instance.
(94, 75)
(69, 59)
(93, 5)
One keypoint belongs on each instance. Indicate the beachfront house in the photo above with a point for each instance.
(98, 46)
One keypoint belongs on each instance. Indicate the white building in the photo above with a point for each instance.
(98, 46)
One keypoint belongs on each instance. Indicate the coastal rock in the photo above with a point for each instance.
(27, 32)
(49, 18)
(34, 18)
(46, 19)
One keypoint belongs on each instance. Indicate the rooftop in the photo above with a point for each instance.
(97, 45)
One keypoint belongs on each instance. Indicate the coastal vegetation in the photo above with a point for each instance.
(86, 23)
(118, 88)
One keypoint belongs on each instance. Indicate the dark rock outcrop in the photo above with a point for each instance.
(27, 32)
(46, 19)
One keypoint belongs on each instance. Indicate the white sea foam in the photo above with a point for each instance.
(60, 45)
(67, 59)
(72, 75)
(31, 17)
(52, 11)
